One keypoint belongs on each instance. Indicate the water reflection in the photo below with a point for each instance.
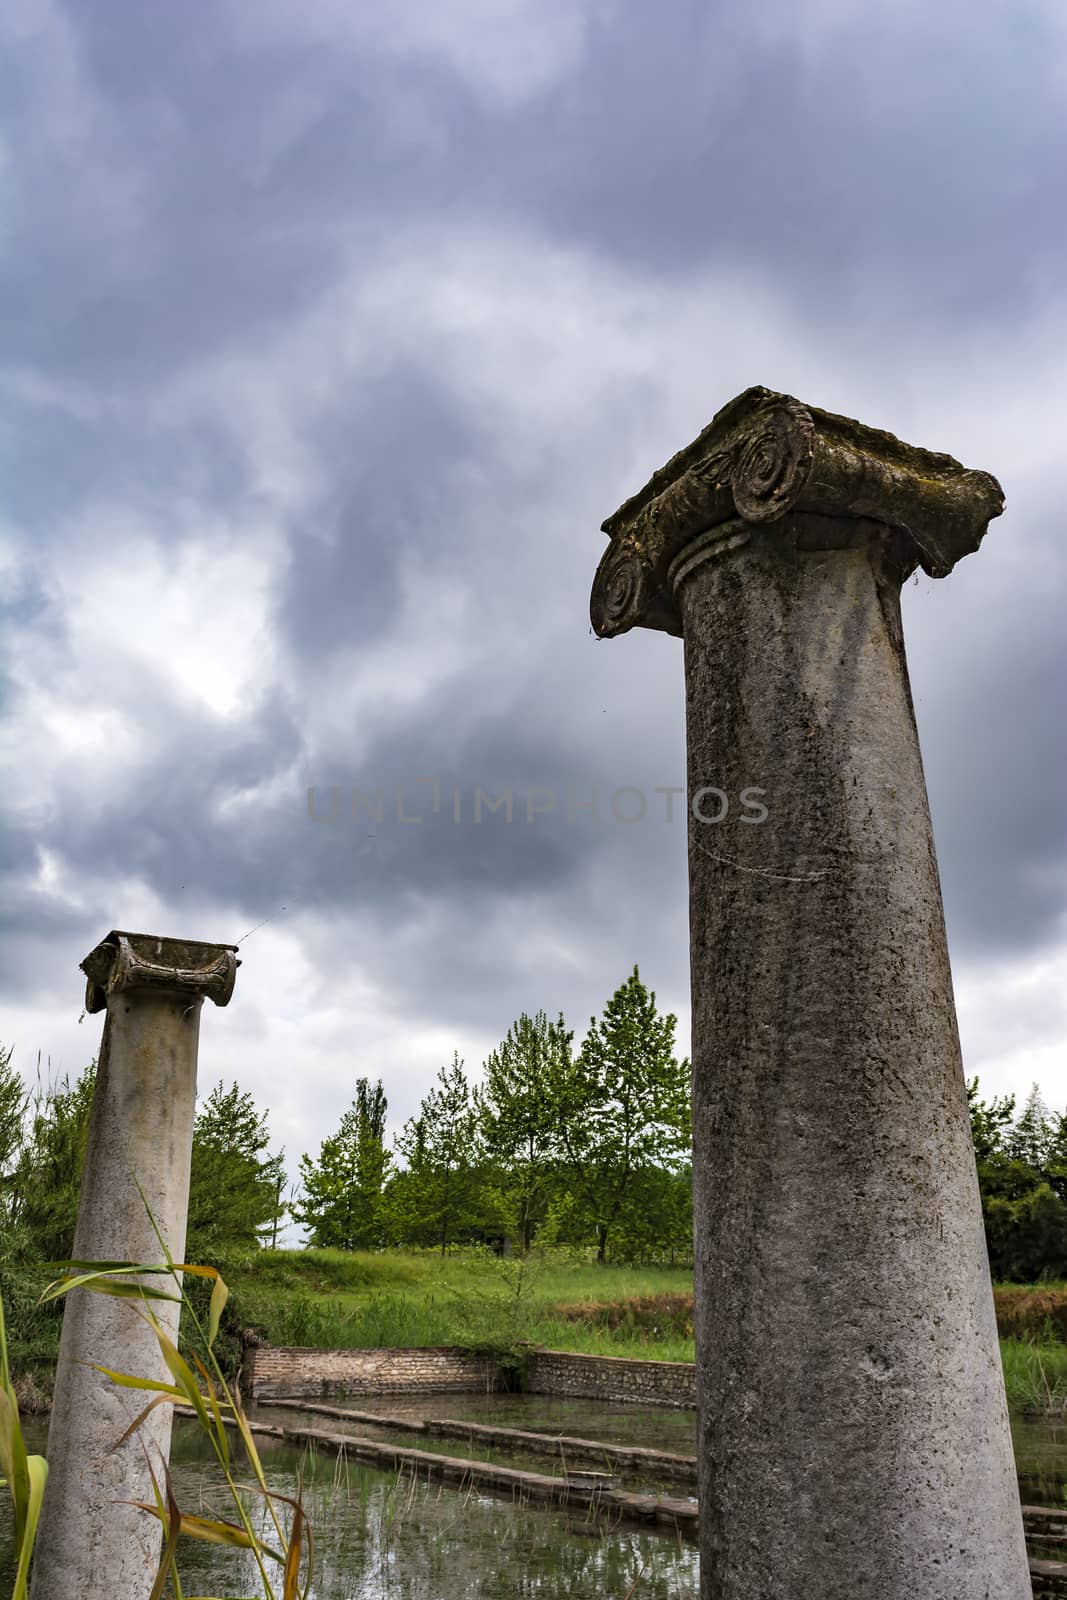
(380, 1536)
(549, 1462)
(386, 1537)
(662, 1427)
(1041, 1459)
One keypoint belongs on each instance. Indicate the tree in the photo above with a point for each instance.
(518, 1106)
(1032, 1136)
(656, 1223)
(341, 1201)
(625, 1110)
(1027, 1235)
(12, 1114)
(437, 1193)
(46, 1180)
(989, 1122)
(235, 1184)
(1056, 1160)
(12, 1133)
(1022, 1175)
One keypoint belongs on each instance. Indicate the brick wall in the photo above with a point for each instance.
(271, 1373)
(662, 1383)
(277, 1374)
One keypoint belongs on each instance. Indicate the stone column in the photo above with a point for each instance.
(853, 1431)
(90, 1544)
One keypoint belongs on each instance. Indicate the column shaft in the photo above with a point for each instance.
(91, 1544)
(853, 1433)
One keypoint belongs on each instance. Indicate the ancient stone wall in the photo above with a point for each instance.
(271, 1373)
(662, 1383)
(274, 1374)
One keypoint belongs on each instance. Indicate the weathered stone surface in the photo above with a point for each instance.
(277, 1372)
(90, 1541)
(762, 456)
(287, 1372)
(143, 961)
(853, 1433)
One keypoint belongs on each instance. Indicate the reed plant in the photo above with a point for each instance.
(285, 1557)
(284, 1566)
(25, 1475)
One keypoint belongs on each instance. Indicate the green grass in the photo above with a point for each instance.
(331, 1299)
(398, 1298)
(335, 1300)
(1035, 1375)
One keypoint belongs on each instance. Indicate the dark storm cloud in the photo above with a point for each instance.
(395, 447)
(869, 159)
(55, 461)
(216, 187)
(182, 822)
(897, 147)
(990, 722)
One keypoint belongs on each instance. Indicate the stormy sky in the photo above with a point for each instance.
(332, 332)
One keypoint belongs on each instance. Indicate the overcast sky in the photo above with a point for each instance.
(331, 333)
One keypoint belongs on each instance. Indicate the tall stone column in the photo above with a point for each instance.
(853, 1431)
(90, 1543)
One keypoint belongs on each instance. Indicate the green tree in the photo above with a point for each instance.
(990, 1122)
(1056, 1160)
(436, 1197)
(625, 1112)
(12, 1116)
(1022, 1175)
(656, 1224)
(518, 1106)
(1031, 1138)
(235, 1184)
(46, 1180)
(341, 1199)
(1027, 1235)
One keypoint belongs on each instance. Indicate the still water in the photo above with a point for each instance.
(384, 1536)
(1041, 1460)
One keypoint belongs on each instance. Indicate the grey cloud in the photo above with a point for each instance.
(872, 174)
(392, 451)
(996, 769)
(708, 142)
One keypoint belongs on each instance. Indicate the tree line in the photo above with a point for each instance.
(1022, 1174)
(587, 1146)
(236, 1183)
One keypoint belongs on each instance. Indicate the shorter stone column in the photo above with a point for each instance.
(92, 1543)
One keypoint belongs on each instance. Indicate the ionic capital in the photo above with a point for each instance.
(125, 961)
(767, 459)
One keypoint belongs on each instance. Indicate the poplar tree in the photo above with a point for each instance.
(235, 1183)
(341, 1199)
(625, 1111)
(1031, 1139)
(435, 1199)
(518, 1105)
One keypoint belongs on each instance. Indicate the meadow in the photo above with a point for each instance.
(335, 1299)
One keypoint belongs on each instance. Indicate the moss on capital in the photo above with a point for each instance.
(762, 457)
